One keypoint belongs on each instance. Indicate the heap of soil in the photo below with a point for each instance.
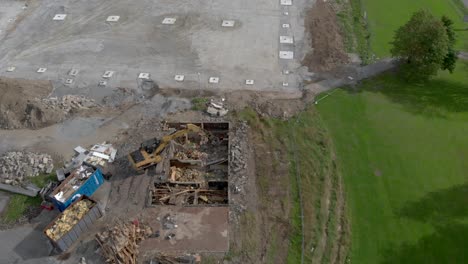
(18, 109)
(327, 42)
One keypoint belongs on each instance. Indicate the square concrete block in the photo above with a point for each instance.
(11, 69)
(213, 80)
(113, 18)
(179, 78)
(59, 17)
(108, 74)
(286, 40)
(169, 20)
(228, 23)
(286, 55)
(144, 75)
(41, 70)
(73, 72)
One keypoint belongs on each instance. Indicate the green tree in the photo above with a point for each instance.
(424, 45)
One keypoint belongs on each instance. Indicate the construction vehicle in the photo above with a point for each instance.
(149, 152)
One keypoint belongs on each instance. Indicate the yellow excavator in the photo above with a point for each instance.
(148, 153)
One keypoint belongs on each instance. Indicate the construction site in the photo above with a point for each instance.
(141, 131)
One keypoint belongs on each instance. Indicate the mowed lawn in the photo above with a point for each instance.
(386, 16)
(403, 153)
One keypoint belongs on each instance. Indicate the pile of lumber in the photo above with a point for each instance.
(119, 244)
(69, 218)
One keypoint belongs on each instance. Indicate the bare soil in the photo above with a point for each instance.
(17, 106)
(329, 51)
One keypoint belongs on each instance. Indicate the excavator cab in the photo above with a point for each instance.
(150, 145)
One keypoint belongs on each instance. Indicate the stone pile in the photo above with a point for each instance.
(68, 103)
(15, 167)
(238, 168)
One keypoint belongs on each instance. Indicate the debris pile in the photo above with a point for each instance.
(186, 194)
(17, 165)
(216, 107)
(119, 244)
(185, 175)
(238, 161)
(192, 154)
(167, 259)
(238, 170)
(68, 219)
(76, 179)
(68, 103)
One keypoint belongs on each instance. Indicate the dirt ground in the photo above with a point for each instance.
(322, 26)
(17, 106)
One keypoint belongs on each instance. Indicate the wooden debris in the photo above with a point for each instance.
(69, 218)
(119, 244)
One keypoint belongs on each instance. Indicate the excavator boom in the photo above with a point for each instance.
(148, 154)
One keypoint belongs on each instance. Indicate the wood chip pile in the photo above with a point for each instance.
(186, 175)
(69, 218)
(119, 244)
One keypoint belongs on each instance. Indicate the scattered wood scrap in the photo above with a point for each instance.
(119, 244)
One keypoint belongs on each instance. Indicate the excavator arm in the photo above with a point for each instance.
(141, 159)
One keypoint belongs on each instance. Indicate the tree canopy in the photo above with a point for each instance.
(425, 45)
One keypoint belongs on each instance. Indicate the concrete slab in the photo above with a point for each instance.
(287, 55)
(113, 18)
(286, 40)
(195, 43)
(228, 23)
(59, 17)
(198, 229)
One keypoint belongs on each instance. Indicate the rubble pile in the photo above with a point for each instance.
(17, 165)
(238, 168)
(68, 219)
(192, 154)
(162, 258)
(185, 175)
(68, 103)
(119, 243)
(186, 194)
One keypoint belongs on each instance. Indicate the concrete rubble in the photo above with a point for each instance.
(238, 164)
(67, 103)
(16, 166)
(216, 107)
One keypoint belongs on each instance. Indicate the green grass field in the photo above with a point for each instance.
(385, 16)
(403, 151)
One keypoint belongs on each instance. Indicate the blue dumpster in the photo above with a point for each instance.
(84, 180)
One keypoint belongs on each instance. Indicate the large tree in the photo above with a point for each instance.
(424, 45)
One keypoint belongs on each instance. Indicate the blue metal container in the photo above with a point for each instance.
(87, 188)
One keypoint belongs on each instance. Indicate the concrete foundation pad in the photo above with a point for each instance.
(139, 42)
(199, 229)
